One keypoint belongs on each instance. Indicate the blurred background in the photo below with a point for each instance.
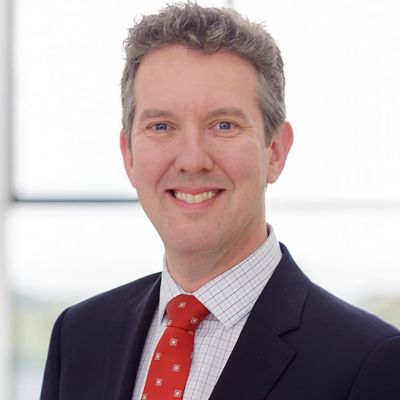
(70, 224)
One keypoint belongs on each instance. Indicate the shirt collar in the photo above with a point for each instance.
(231, 295)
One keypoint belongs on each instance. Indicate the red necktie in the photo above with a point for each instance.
(170, 365)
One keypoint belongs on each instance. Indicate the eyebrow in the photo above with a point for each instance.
(222, 111)
(154, 113)
(229, 112)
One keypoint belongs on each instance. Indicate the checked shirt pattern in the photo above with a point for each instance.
(170, 365)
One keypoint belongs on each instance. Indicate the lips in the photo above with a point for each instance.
(194, 198)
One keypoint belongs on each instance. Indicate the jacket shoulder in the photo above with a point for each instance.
(114, 303)
(327, 312)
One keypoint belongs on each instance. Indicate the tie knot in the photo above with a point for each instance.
(185, 312)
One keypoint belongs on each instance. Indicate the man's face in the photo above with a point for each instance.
(199, 158)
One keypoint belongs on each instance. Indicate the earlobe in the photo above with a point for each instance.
(126, 155)
(281, 143)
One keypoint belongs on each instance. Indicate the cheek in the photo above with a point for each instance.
(245, 165)
(149, 164)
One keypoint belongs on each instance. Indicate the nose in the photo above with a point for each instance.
(193, 154)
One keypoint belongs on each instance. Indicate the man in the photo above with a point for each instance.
(204, 132)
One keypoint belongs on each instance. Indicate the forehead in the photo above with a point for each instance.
(176, 74)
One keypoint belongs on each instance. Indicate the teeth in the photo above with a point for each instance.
(194, 198)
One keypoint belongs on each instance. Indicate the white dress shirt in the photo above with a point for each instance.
(230, 298)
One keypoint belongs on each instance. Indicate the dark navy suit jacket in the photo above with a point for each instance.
(299, 343)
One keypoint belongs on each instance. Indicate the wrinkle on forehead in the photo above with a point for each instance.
(222, 111)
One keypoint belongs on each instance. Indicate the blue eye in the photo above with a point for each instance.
(225, 125)
(160, 126)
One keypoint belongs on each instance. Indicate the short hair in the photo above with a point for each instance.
(208, 30)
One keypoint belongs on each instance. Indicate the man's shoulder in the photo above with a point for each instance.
(325, 311)
(115, 302)
(322, 314)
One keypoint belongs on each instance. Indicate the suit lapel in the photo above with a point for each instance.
(127, 338)
(261, 354)
(257, 361)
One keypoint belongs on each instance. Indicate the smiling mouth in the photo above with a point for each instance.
(194, 198)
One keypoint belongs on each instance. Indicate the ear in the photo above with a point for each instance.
(126, 155)
(280, 145)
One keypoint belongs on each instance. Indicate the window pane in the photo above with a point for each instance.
(343, 93)
(342, 60)
(68, 63)
(60, 255)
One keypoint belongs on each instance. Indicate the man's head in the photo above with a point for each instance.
(196, 148)
(208, 30)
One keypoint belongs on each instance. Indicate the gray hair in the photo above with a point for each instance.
(208, 30)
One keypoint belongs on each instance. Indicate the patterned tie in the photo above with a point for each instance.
(170, 365)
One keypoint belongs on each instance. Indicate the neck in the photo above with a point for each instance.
(193, 270)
